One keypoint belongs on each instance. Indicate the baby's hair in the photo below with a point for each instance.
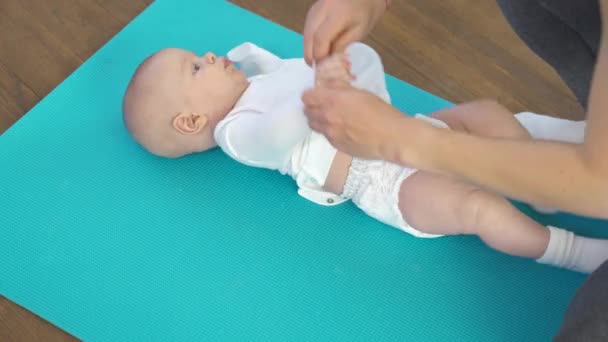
(140, 67)
(147, 123)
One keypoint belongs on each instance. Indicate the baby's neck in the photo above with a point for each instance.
(218, 118)
(224, 113)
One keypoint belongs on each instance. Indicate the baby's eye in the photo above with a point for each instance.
(195, 67)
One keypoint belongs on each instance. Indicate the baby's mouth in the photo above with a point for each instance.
(227, 63)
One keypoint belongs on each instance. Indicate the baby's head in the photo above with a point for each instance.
(176, 98)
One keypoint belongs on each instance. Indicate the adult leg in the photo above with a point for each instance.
(586, 318)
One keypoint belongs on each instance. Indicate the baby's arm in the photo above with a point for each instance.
(367, 67)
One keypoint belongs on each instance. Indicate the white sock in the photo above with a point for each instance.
(577, 253)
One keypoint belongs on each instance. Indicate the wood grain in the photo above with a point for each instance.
(18, 324)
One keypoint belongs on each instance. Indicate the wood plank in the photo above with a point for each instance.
(497, 55)
(32, 53)
(124, 11)
(18, 324)
(6, 121)
(43, 42)
(15, 98)
(81, 26)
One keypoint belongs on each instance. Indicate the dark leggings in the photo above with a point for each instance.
(586, 318)
(565, 33)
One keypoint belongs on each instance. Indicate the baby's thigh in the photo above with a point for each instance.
(484, 118)
(436, 204)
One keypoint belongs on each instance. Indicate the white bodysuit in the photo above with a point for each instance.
(267, 128)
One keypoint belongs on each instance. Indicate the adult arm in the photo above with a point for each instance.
(570, 177)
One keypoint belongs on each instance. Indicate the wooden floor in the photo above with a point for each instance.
(458, 49)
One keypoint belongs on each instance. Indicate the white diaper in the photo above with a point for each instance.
(374, 187)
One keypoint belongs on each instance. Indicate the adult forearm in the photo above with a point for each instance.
(544, 173)
(565, 176)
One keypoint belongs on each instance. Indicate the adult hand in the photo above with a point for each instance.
(331, 25)
(361, 124)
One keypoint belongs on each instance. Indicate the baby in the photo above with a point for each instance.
(178, 103)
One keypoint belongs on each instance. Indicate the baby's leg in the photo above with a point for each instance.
(435, 204)
(484, 118)
(438, 205)
(488, 118)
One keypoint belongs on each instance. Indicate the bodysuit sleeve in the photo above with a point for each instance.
(264, 139)
(253, 60)
(367, 67)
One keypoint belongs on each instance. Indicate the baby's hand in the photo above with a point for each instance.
(334, 70)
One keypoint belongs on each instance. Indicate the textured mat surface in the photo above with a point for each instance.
(111, 243)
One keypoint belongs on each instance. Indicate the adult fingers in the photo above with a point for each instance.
(317, 120)
(331, 27)
(313, 19)
(350, 35)
(314, 97)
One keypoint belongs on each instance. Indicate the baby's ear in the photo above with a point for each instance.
(189, 123)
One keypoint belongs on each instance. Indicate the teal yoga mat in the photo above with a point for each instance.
(111, 243)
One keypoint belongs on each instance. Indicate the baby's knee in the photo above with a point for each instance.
(493, 109)
(493, 106)
(478, 208)
(499, 120)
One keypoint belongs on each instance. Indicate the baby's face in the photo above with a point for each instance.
(207, 84)
(177, 98)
